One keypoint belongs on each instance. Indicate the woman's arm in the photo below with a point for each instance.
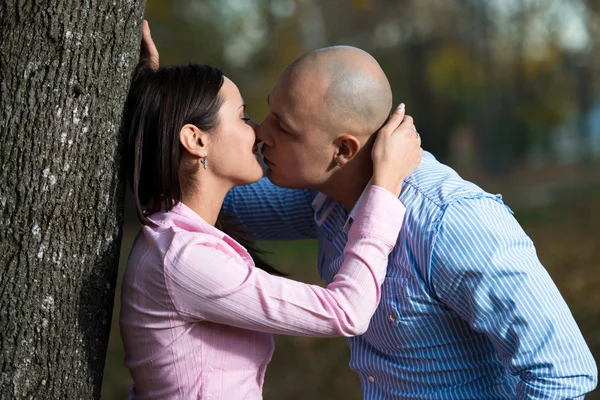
(207, 284)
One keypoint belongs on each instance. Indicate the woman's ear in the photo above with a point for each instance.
(193, 140)
(348, 147)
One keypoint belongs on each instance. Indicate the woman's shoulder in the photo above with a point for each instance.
(197, 247)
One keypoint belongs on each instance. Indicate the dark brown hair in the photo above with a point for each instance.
(158, 105)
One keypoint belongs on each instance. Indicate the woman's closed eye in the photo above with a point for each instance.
(245, 116)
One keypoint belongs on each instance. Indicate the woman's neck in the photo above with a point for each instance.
(205, 198)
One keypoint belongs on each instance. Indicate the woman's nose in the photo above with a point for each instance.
(253, 124)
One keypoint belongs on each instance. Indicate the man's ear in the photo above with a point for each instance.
(193, 140)
(348, 147)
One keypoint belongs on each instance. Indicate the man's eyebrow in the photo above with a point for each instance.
(282, 123)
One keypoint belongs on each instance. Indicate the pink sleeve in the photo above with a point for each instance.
(207, 284)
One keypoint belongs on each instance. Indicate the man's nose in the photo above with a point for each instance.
(262, 133)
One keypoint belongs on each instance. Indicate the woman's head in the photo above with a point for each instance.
(179, 120)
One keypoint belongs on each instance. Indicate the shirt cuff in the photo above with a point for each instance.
(380, 216)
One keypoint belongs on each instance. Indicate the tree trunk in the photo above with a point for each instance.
(65, 68)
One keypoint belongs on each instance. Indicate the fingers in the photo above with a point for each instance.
(149, 50)
(419, 152)
(413, 131)
(408, 123)
(146, 36)
(408, 128)
(394, 121)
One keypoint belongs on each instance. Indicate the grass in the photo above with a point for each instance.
(566, 237)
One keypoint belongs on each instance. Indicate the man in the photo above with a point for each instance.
(467, 311)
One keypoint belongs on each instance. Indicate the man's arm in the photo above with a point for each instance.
(486, 269)
(272, 213)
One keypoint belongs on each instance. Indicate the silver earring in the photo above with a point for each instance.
(205, 163)
(339, 164)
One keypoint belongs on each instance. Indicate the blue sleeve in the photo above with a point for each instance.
(485, 268)
(273, 213)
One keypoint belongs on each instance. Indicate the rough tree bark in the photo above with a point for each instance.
(65, 68)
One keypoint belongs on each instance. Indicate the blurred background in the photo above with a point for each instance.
(504, 91)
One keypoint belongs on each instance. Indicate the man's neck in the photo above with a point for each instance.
(349, 182)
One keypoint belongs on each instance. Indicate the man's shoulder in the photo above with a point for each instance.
(436, 185)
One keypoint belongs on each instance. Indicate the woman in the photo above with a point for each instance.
(198, 308)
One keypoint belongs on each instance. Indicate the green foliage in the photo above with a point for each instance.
(457, 64)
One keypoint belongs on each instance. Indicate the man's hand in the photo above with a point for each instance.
(148, 51)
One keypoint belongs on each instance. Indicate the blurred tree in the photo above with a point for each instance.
(585, 68)
(64, 74)
(455, 63)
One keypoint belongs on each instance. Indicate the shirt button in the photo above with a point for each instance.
(371, 379)
(393, 317)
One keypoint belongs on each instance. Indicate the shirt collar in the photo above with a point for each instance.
(181, 216)
(357, 207)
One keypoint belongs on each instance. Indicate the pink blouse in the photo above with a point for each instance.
(197, 315)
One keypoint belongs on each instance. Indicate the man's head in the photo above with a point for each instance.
(323, 109)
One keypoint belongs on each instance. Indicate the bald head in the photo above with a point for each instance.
(349, 90)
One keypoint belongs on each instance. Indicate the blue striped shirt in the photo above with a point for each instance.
(467, 310)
